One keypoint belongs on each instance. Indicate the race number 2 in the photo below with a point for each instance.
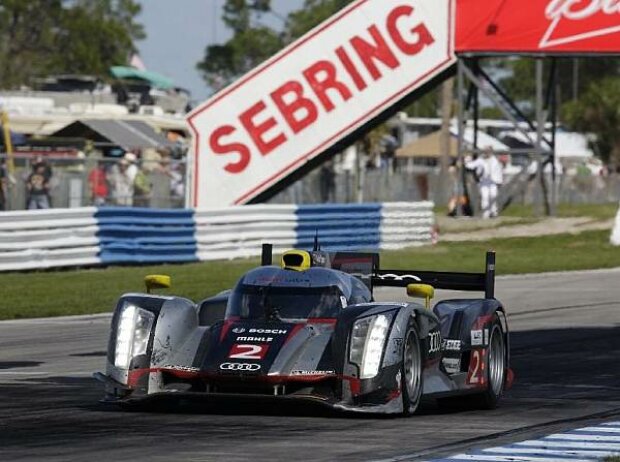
(476, 374)
(242, 351)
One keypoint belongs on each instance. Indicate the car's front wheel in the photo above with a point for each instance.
(411, 372)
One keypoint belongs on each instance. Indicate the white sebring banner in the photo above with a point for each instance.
(314, 93)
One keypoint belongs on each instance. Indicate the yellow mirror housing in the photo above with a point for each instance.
(425, 291)
(297, 260)
(157, 281)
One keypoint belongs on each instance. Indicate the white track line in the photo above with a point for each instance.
(551, 452)
(579, 445)
(583, 437)
(599, 429)
(512, 458)
(570, 445)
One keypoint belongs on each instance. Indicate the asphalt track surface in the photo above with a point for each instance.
(566, 350)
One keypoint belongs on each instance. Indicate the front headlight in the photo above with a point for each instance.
(132, 334)
(367, 341)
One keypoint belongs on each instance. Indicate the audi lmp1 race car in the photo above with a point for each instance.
(310, 329)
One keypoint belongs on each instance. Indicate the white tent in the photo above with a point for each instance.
(484, 140)
(567, 144)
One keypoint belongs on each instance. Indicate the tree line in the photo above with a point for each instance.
(45, 37)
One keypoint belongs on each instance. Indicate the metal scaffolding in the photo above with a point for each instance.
(472, 80)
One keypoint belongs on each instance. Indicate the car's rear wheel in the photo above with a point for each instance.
(495, 369)
(495, 375)
(411, 372)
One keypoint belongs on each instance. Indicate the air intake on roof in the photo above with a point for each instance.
(298, 260)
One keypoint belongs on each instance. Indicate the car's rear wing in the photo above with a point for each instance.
(366, 267)
(483, 282)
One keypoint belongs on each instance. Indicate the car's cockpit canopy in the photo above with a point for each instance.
(272, 293)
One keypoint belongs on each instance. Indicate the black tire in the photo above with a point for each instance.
(411, 372)
(495, 368)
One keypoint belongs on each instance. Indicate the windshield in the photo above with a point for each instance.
(285, 303)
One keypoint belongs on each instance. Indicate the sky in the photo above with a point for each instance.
(178, 31)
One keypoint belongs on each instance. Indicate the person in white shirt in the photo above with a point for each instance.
(121, 184)
(490, 176)
(132, 168)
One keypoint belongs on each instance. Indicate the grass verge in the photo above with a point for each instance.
(27, 295)
(599, 212)
(517, 215)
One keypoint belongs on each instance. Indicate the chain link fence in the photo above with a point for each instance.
(409, 185)
(77, 182)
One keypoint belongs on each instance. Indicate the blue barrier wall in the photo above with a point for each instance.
(135, 235)
(339, 226)
(89, 236)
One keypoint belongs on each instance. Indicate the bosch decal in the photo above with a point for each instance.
(268, 331)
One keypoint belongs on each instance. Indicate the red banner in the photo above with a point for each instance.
(538, 26)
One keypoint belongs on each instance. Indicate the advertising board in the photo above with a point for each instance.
(344, 73)
(538, 26)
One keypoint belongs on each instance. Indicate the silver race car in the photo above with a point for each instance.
(309, 329)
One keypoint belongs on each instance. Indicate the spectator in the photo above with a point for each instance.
(177, 183)
(98, 184)
(121, 183)
(164, 160)
(132, 168)
(47, 169)
(458, 205)
(141, 189)
(327, 179)
(150, 159)
(38, 189)
(490, 176)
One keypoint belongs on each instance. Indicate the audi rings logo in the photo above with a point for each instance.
(239, 367)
